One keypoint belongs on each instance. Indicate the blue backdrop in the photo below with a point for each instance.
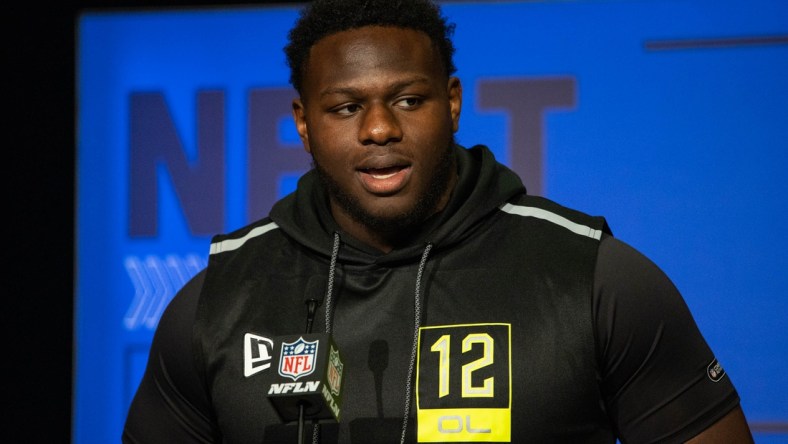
(670, 118)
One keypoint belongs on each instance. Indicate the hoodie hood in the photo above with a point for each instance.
(483, 185)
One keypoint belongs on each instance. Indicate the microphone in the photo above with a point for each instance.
(308, 379)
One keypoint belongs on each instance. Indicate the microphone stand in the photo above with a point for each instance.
(311, 305)
(301, 422)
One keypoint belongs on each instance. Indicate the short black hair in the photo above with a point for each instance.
(322, 18)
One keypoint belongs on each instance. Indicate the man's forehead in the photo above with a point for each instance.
(401, 55)
(367, 31)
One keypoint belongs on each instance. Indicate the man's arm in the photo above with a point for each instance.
(170, 404)
(732, 428)
(660, 380)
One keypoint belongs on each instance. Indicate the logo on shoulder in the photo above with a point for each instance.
(715, 371)
(298, 358)
(257, 354)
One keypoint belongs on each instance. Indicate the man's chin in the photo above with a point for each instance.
(386, 218)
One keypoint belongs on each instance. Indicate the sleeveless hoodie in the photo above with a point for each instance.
(480, 328)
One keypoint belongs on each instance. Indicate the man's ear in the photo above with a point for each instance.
(455, 101)
(300, 123)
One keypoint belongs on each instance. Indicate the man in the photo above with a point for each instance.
(465, 309)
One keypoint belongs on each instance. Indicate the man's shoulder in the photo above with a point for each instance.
(236, 239)
(546, 210)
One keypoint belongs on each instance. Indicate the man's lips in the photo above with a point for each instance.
(386, 180)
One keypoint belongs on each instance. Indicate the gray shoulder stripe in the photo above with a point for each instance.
(234, 244)
(552, 217)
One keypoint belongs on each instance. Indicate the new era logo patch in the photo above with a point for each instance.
(257, 353)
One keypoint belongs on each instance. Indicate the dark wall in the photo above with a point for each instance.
(39, 184)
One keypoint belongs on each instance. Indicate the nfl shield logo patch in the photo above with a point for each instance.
(334, 371)
(298, 358)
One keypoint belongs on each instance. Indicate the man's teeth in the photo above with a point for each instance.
(383, 173)
(380, 175)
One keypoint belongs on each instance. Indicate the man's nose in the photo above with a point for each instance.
(379, 126)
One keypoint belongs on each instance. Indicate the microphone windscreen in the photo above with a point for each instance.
(309, 372)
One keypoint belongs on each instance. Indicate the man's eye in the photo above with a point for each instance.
(347, 109)
(408, 102)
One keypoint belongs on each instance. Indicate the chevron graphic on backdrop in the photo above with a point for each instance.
(155, 281)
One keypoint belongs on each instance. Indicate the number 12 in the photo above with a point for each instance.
(443, 347)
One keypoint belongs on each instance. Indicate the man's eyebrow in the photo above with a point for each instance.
(339, 90)
(352, 91)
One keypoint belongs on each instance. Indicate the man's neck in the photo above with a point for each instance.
(361, 232)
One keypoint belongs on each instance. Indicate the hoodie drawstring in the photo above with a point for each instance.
(416, 326)
(332, 269)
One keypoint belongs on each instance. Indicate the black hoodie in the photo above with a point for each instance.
(508, 318)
